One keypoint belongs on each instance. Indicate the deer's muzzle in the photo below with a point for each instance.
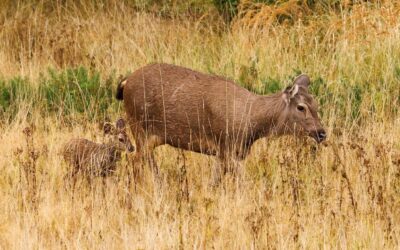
(319, 135)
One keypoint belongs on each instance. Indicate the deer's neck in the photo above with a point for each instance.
(267, 112)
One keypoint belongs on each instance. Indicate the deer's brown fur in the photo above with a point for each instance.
(168, 104)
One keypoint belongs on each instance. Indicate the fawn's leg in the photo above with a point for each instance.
(74, 176)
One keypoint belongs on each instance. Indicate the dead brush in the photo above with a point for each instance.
(396, 159)
(289, 163)
(35, 39)
(376, 190)
(257, 221)
(27, 160)
(256, 15)
(384, 198)
(295, 160)
(366, 165)
(346, 23)
(339, 166)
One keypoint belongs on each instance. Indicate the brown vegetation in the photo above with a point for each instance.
(292, 193)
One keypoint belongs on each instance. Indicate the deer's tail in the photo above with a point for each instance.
(120, 89)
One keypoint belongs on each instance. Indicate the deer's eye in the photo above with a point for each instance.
(301, 108)
(121, 139)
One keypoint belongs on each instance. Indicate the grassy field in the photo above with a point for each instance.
(59, 64)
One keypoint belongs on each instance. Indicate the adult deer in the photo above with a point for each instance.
(168, 104)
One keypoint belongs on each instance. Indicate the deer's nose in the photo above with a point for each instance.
(131, 148)
(321, 135)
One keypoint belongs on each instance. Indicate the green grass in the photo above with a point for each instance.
(91, 94)
(13, 93)
(289, 193)
(65, 92)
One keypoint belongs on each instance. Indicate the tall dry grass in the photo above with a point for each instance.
(291, 193)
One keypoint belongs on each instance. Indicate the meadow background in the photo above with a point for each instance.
(59, 64)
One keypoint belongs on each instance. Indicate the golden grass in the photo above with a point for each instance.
(289, 194)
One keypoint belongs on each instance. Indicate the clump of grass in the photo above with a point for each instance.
(66, 92)
(76, 91)
(13, 93)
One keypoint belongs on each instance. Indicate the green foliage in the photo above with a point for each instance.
(250, 79)
(324, 95)
(397, 72)
(270, 85)
(347, 100)
(227, 8)
(356, 95)
(79, 91)
(12, 93)
(76, 90)
(317, 87)
(248, 76)
(71, 91)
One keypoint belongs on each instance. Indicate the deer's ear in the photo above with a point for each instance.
(290, 92)
(108, 128)
(120, 124)
(302, 80)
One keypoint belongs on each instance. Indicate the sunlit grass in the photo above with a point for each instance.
(58, 76)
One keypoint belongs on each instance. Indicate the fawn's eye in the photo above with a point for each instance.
(121, 139)
(301, 108)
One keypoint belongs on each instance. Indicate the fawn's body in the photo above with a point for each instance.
(97, 159)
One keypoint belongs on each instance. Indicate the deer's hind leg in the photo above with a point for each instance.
(219, 169)
(145, 145)
(151, 142)
(138, 135)
(227, 165)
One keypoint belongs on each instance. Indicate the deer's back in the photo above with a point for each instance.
(182, 105)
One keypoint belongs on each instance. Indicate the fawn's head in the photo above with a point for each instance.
(119, 137)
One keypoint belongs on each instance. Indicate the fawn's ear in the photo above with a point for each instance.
(120, 124)
(108, 128)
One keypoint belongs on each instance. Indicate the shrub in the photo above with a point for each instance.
(12, 93)
(71, 91)
(76, 91)
(227, 8)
